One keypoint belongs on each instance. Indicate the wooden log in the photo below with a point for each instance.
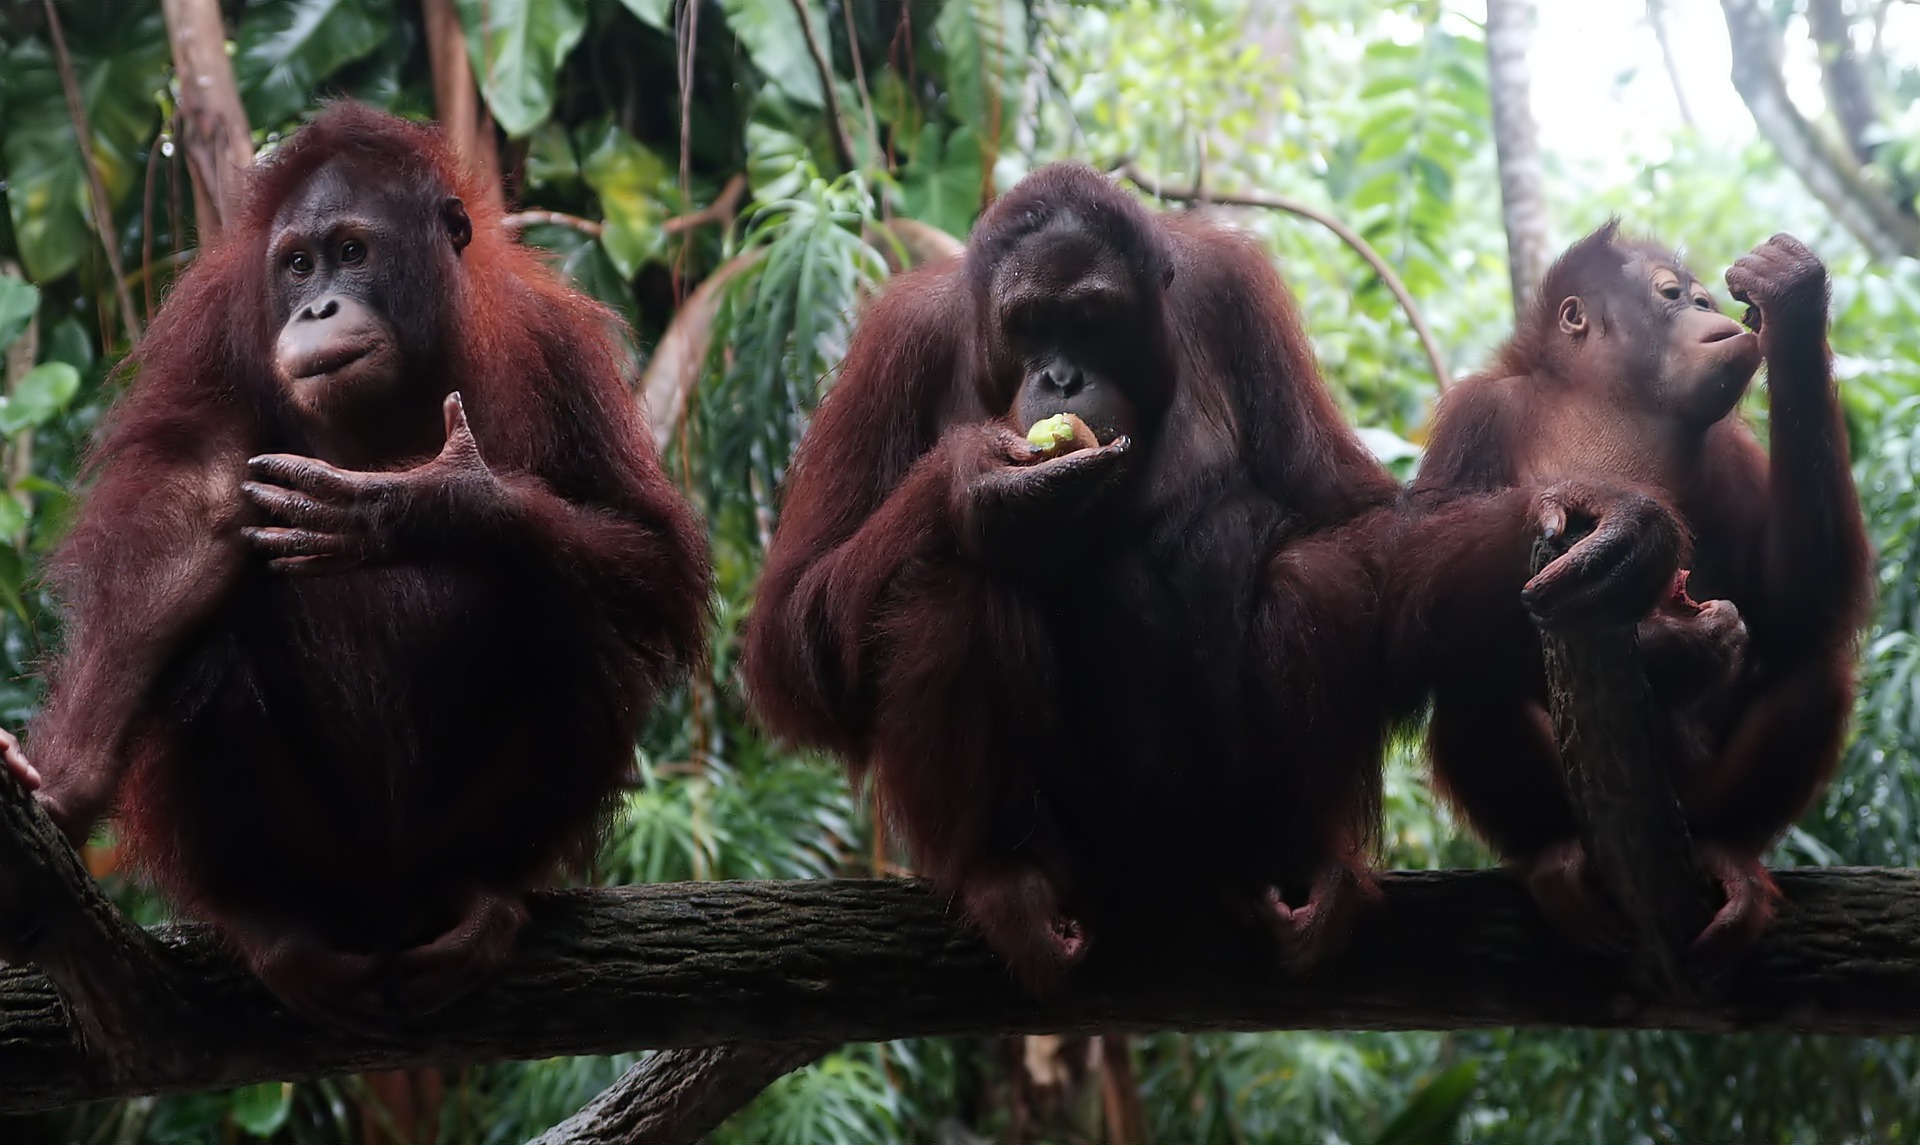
(708, 964)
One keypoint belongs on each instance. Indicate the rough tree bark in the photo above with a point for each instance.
(707, 964)
(1523, 200)
(1620, 779)
(213, 123)
(1833, 177)
(678, 1098)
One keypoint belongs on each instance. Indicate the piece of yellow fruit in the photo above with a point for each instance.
(1051, 432)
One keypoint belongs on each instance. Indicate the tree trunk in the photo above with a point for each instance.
(1840, 73)
(1869, 215)
(213, 123)
(1516, 147)
(456, 102)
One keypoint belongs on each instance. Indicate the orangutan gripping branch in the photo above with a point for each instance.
(377, 577)
(1615, 405)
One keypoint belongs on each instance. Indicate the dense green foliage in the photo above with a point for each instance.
(1375, 111)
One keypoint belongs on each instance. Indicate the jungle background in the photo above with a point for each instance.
(734, 182)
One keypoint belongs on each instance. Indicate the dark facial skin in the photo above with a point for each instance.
(1696, 361)
(1066, 311)
(339, 263)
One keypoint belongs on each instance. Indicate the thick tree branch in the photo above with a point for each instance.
(120, 999)
(1523, 198)
(679, 1097)
(1834, 178)
(213, 122)
(1848, 92)
(456, 102)
(1613, 745)
(1345, 233)
(708, 964)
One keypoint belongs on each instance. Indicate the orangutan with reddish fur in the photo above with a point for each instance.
(1091, 673)
(378, 574)
(1615, 406)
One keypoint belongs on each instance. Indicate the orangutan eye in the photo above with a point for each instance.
(353, 252)
(300, 264)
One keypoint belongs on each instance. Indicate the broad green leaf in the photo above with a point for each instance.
(655, 13)
(119, 72)
(69, 342)
(44, 392)
(1433, 1115)
(551, 159)
(288, 47)
(985, 45)
(628, 178)
(943, 183)
(261, 1110)
(517, 48)
(770, 31)
(18, 300)
(778, 162)
(586, 263)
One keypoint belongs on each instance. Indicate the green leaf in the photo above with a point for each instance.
(261, 1110)
(517, 54)
(586, 263)
(654, 13)
(942, 185)
(628, 178)
(551, 160)
(286, 48)
(119, 70)
(770, 31)
(985, 44)
(14, 569)
(778, 162)
(13, 519)
(1432, 1116)
(43, 393)
(69, 342)
(18, 300)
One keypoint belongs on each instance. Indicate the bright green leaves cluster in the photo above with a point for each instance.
(983, 44)
(44, 391)
(944, 182)
(632, 183)
(120, 64)
(785, 325)
(770, 32)
(1424, 115)
(287, 48)
(517, 48)
(36, 398)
